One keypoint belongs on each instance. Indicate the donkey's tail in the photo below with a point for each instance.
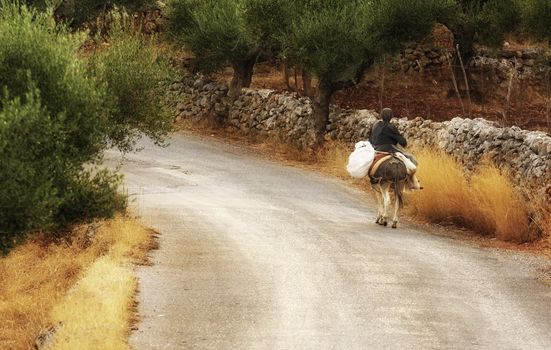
(399, 191)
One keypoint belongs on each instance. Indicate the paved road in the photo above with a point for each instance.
(255, 255)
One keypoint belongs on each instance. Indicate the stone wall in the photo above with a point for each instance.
(287, 118)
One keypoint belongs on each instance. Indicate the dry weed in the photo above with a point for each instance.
(486, 201)
(95, 314)
(37, 275)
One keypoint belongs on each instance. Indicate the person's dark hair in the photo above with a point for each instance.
(387, 114)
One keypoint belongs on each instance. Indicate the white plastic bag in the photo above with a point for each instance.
(361, 159)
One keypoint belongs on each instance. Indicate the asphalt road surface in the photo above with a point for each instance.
(257, 255)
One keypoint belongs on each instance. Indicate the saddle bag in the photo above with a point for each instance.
(361, 159)
(411, 168)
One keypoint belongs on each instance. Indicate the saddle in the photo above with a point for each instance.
(380, 158)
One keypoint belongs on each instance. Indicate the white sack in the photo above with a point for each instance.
(361, 159)
(411, 168)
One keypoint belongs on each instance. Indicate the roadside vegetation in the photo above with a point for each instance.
(334, 41)
(484, 200)
(41, 301)
(66, 96)
(60, 109)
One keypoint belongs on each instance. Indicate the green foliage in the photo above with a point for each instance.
(266, 20)
(483, 21)
(77, 12)
(35, 53)
(213, 29)
(136, 74)
(41, 188)
(89, 195)
(495, 19)
(536, 19)
(337, 40)
(391, 23)
(30, 148)
(59, 112)
(328, 39)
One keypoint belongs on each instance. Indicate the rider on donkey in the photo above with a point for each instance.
(385, 137)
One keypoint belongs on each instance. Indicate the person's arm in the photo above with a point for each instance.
(397, 136)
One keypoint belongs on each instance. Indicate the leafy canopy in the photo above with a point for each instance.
(536, 18)
(59, 112)
(337, 40)
(214, 30)
(136, 74)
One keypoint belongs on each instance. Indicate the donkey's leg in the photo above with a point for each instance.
(379, 196)
(386, 202)
(398, 191)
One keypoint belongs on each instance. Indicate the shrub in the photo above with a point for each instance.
(536, 18)
(28, 195)
(495, 19)
(36, 53)
(134, 71)
(57, 117)
(78, 12)
(91, 195)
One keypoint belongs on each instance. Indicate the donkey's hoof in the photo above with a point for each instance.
(394, 224)
(385, 223)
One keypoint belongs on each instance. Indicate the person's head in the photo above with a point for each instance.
(387, 114)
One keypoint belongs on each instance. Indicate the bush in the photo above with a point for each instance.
(134, 71)
(497, 18)
(91, 195)
(28, 195)
(58, 115)
(36, 53)
(536, 18)
(78, 12)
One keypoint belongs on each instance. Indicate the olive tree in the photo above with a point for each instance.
(226, 32)
(536, 19)
(337, 41)
(59, 112)
(482, 21)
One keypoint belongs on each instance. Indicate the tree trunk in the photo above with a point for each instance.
(242, 77)
(286, 75)
(464, 35)
(321, 112)
(307, 83)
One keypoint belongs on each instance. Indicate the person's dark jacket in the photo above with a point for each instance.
(384, 136)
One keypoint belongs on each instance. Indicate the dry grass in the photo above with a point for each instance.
(95, 314)
(37, 275)
(486, 201)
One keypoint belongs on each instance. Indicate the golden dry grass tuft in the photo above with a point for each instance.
(37, 276)
(95, 314)
(486, 201)
(333, 158)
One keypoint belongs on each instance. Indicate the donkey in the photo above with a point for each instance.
(392, 174)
